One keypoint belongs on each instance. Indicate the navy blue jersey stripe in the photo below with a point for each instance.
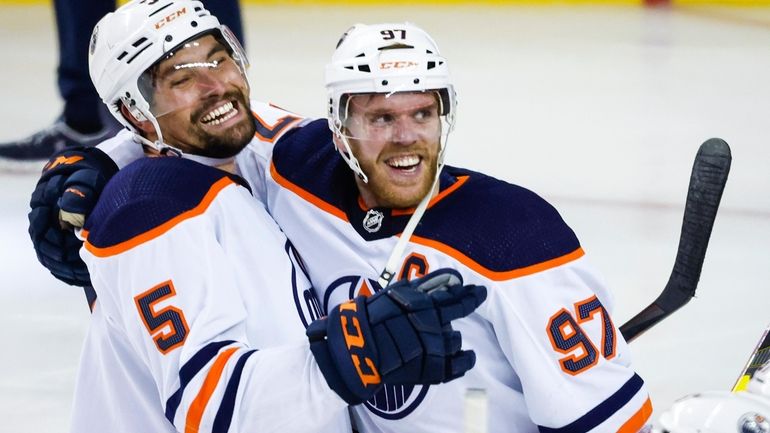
(146, 194)
(189, 370)
(603, 411)
(225, 413)
(501, 226)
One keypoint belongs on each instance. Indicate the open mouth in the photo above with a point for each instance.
(404, 163)
(220, 114)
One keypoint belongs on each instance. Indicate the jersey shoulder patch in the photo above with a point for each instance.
(273, 122)
(501, 229)
(148, 194)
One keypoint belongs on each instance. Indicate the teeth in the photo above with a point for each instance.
(226, 110)
(404, 161)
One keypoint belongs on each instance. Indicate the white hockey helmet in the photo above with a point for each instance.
(760, 381)
(129, 41)
(722, 411)
(386, 58)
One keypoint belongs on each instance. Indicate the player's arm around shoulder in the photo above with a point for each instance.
(159, 266)
(551, 313)
(272, 124)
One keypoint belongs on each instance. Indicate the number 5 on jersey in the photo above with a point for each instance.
(569, 338)
(167, 326)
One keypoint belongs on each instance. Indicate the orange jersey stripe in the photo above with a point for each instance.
(161, 229)
(498, 275)
(636, 422)
(306, 195)
(440, 196)
(195, 414)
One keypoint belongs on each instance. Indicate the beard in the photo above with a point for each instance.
(394, 196)
(232, 141)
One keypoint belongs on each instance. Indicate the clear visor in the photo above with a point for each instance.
(210, 67)
(398, 117)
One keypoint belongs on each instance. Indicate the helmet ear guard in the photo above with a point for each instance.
(135, 112)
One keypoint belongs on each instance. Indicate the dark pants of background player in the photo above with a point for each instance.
(75, 19)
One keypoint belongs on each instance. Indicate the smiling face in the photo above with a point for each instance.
(201, 100)
(396, 139)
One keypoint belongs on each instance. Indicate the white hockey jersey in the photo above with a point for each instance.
(548, 354)
(201, 312)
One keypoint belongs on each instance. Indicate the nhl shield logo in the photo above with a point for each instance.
(373, 220)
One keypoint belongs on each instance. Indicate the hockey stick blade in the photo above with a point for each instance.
(707, 181)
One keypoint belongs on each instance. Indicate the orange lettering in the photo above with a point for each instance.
(397, 64)
(352, 340)
(62, 160)
(170, 17)
(357, 340)
(372, 378)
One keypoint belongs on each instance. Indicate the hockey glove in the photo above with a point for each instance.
(65, 194)
(400, 335)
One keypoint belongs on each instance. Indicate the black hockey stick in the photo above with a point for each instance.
(707, 181)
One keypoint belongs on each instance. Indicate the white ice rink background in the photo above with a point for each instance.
(599, 109)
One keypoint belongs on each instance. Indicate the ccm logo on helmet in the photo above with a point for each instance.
(354, 339)
(398, 65)
(170, 17)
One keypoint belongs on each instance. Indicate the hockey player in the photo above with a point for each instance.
(196, 326)
(550, 357)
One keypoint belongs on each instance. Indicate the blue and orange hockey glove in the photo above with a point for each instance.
(400, 335)
(65, 194)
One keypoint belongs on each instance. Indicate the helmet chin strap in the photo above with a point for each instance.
(347, 153)
(386, 276)
(397, 254)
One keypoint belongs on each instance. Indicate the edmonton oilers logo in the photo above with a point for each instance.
(373, 220)
(753, 422)
(396, 401)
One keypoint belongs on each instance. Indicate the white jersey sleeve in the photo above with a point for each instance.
(575, 372)
(200, 282)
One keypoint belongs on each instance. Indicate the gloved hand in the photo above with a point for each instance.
(64, 196)
(400, 335)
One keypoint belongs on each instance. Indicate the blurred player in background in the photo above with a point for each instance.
(83, 121)
(200, 321)
(550, 357)
(723, 411)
